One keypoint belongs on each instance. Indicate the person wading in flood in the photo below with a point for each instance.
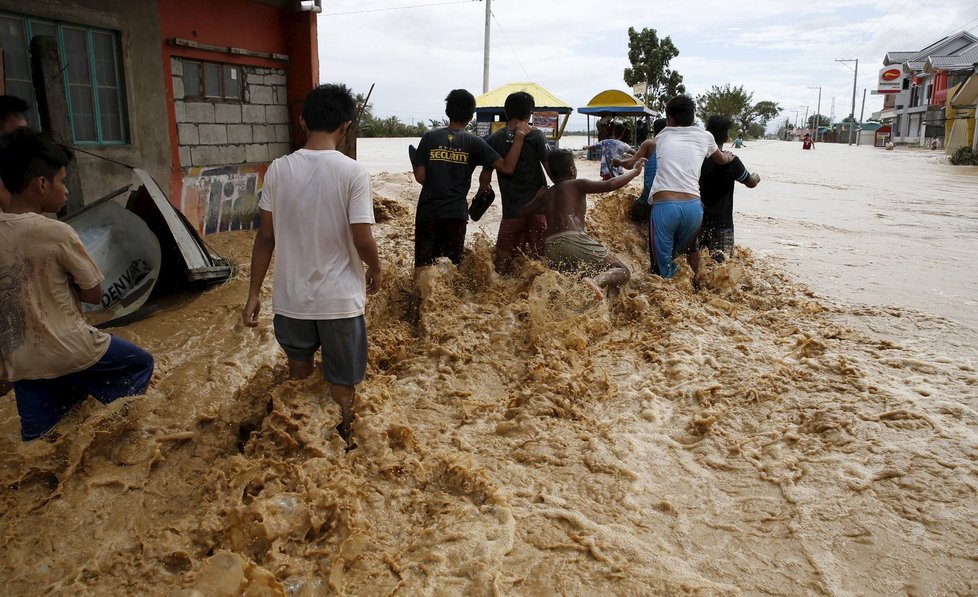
(48, 352)
(316, 209)
(568, 246)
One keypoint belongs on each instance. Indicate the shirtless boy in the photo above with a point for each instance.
(568, 247)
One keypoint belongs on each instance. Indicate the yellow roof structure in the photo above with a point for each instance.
(544, 100)
(964, 94)
(614, 101)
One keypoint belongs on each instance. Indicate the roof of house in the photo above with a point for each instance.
(950, 46)
(962, 59)
(897, 57)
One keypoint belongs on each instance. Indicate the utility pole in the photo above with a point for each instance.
(818, 115)
(862, 111)
(855, 74)
(804, 122)
(485, 60)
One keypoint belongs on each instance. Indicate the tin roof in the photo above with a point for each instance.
(544, 100)
(964, 94)
(897, 57)
(614, 101)
(963, 59)
(916, 61)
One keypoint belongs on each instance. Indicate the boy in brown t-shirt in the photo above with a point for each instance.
(47, 349)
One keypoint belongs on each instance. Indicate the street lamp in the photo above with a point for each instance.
(818, 113)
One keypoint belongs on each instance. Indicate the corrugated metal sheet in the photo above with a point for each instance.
(614, 101)
(543, 99)
(965, 94)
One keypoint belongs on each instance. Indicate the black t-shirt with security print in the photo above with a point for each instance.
(449, 157)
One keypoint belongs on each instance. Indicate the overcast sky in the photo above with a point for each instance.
(417, 50)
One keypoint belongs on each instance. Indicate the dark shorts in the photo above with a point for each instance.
(343, 343)
(640, 211)
(718, 241)
(439, 238)
(522, 234)
(124, 370)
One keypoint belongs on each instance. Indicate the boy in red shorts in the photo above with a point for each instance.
(517, 233)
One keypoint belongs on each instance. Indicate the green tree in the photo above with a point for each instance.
(366, 124)
(755, 131)
(650, 59)
(390, 126)
(762, 112)
(822, 120)
(737, 104)
(726, 101)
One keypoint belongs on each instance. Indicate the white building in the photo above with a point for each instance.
(914, 103)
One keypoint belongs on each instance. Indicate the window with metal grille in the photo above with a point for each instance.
(212, 80)
(92, 65)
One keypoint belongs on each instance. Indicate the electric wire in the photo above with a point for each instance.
(511, 48)
(890, 14)
(390, 8)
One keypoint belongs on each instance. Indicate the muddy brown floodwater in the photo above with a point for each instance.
(751, 437)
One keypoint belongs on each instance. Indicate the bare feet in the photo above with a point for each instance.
(345, 430)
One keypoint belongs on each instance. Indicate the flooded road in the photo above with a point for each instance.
(795, 426)
(867, 225)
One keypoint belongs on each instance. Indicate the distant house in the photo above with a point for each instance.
(203, 94)
(916, 93)
(959, 98)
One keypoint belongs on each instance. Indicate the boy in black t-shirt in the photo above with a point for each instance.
(446, 159)
(517, 233)
(716, 191)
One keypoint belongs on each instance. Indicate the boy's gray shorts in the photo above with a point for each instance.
(344, 344)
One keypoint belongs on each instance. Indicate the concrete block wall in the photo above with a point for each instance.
(224, 133)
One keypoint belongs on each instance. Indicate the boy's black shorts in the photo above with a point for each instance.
(640, 212)
(439, 238)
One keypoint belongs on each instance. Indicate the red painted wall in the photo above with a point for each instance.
(238, 23)
(939, 89)
(241, 24)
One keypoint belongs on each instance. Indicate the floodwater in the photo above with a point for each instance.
(867, 225)
(801, 424)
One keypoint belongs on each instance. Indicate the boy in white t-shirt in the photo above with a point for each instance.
(316, 211)
(677, 211)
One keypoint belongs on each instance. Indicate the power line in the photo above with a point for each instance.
(927, 38)
(388, 9)
(888, 16)
(892, 27)
(511, 48)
